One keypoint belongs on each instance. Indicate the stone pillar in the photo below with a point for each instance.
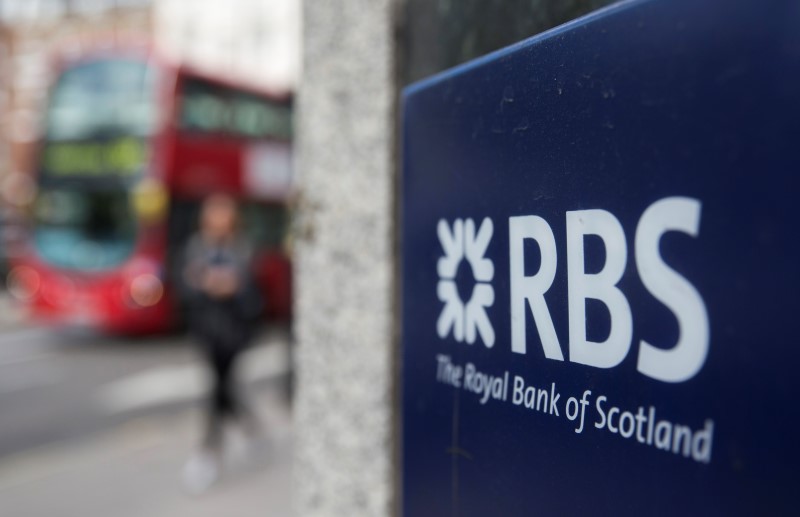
(345, 261)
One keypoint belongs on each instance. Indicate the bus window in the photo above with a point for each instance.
(205, 113)
(204, 107)
(257, 118)
(250, 118)
(210, 108)
(84, 230)
(109, 96)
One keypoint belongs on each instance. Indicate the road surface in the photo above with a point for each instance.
(91, 425)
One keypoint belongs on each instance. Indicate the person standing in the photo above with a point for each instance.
(223, 308)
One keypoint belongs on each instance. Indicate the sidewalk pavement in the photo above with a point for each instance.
(134, 471)
(12, 315)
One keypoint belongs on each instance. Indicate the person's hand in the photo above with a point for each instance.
(220, 282)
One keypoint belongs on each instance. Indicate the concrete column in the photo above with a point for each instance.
(345, 261)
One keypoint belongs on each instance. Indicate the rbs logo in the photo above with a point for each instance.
(466, 318)
(677, 364)
(668, 362)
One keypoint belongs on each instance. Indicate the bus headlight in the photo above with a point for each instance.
(23, 283)
(146, 290)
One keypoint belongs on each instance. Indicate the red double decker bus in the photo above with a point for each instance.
(130, 146)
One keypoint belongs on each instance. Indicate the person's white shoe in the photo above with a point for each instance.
(200, 472)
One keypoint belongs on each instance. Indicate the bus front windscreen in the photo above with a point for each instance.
(103, 97)
(100, 116)
(84, 230)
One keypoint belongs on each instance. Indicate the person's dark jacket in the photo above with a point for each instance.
(227, 322)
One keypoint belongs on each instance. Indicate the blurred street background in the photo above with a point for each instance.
(95, 421)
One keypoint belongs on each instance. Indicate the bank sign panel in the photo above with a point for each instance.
(601, 270)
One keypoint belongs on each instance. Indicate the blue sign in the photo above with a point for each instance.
(601, 269)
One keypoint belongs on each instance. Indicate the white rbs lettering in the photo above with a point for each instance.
(686, 358)
(600, 286)
(677, 364)
(531, 289)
